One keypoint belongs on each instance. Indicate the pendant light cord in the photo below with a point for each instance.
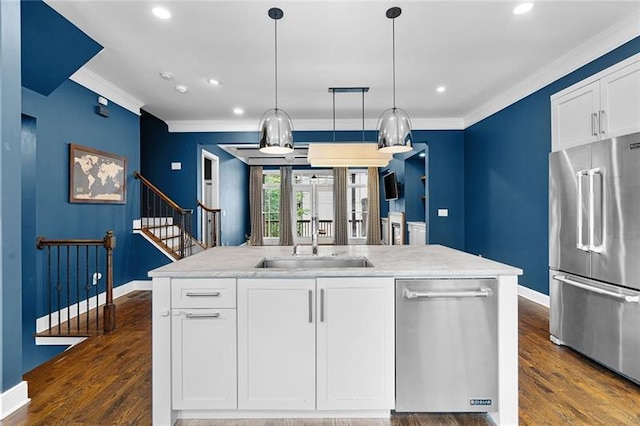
(393, 38)
(276, 60)
(334, 115)
(362, 115)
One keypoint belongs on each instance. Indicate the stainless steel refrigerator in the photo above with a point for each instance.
(594, 251)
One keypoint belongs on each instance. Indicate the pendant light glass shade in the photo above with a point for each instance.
(276, 129)
(276, 132)
(394, 131)
(394, 125)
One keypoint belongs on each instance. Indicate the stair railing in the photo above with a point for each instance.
(74, 284)
(211, 225)
(161, 218)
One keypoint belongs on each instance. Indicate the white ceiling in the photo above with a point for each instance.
(485, 55)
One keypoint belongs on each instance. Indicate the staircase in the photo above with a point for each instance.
(166, 225)
(168, 237)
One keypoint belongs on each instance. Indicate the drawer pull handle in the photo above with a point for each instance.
(203, 294)
(214, 315)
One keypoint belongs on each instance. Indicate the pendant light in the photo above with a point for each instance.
(276, 129)
(350, 154)
(394, 125)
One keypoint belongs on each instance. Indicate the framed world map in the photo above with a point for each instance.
(96, 176)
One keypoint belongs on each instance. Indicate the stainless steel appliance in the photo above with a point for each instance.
(446, 345)
(594, 251)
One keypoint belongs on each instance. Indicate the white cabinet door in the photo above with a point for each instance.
(355, 366)
(203, 363)
(620, 102)
(575, 117)
(276, 344)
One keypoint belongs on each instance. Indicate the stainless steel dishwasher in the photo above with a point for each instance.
(446, 345)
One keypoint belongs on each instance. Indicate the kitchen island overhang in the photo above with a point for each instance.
(239, 265)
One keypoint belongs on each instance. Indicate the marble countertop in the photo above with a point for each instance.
(388, 261)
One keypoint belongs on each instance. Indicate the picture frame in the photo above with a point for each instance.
(96, 176)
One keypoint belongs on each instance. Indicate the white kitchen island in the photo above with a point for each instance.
(231, 340)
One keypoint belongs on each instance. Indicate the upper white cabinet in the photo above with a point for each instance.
(355, 343)
(574, 116)
(603, 106)
(276, 344)
(620, 102)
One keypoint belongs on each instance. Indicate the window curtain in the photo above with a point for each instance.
(255, 205)
(286, 206)
(341, 237)
(373, 218)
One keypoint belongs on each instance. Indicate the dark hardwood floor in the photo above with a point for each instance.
(106, 380)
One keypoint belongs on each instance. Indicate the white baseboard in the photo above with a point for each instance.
(13, 399)
(42, 323)
(534, 296)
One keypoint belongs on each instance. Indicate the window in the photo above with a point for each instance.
(357, 204)
(313, 194)
(271, 204)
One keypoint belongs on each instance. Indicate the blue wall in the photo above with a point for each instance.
(160, 148)
(52, 47)
(10, 197)
(67, 116)
(446, 185)
(506, 177)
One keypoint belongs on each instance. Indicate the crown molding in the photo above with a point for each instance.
(102, 87)
(593, 48)
(186, 126)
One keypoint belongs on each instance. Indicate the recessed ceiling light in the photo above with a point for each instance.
(238, 111)
(182, 88)
(161, 12)
(441, 89)
(166, 75)
(214, 82)
(522, 8)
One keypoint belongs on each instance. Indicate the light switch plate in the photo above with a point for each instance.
(443, 212)
(176, 166)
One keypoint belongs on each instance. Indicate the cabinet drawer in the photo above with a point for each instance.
(203, 293)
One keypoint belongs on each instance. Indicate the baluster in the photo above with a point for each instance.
(97, 288)
(78, 287)
(58, 289)
(87, 285)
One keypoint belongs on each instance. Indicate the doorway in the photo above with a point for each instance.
(209, 191)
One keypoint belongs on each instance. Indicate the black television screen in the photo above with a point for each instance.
(390, 186)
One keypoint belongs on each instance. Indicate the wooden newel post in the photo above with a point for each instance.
(109, 307)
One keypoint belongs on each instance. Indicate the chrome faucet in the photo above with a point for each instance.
(314, 235)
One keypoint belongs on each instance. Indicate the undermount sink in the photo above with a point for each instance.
(315, 262)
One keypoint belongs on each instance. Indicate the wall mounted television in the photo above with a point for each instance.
(390, 186)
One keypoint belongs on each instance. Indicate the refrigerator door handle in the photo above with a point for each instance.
(592, 211)
(618, 296)
(579, 242)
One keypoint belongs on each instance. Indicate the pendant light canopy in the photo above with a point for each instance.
(276, 129)
(394, 125)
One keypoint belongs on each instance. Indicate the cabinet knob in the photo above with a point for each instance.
(165, 313)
